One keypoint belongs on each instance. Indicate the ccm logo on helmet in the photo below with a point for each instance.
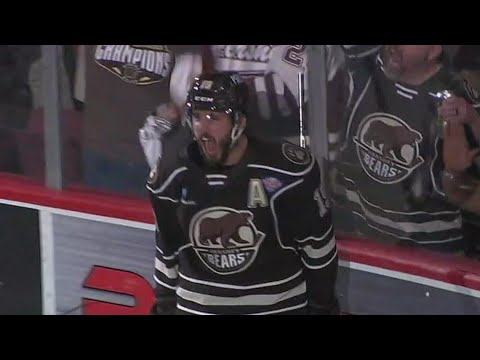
(203, 99)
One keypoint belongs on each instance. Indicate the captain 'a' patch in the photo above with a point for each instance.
(256, 194)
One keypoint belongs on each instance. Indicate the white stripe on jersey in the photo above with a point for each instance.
(216, 183)
(406, 227)
(175, 254)
(316, 239)
(159, 282)
(166, 198)
(240, 287)
(456, 212)
(306, 171)
(171, 257)
(406, 238)
(215, 176)
(247, 300)
(171, 273)
(405, 95)
(290, 308)
(195, 312)
(320, 253)
(168, 181)
(407, 90)
(320, 266)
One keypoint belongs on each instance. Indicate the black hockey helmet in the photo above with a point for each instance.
(220, 92)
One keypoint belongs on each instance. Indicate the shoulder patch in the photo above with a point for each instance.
(296, 154)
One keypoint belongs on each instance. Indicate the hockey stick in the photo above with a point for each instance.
(301, 105)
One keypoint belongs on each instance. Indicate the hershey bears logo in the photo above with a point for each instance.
(136, 64)
(387, 148)
(225, 239)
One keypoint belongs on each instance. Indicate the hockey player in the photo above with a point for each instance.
(392, 157)
(242, 226)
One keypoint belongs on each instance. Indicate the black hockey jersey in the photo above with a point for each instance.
(255, 238)
(392, 158)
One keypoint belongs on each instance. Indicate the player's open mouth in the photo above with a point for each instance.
(209, 146)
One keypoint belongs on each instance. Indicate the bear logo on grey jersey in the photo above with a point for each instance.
(387, 148)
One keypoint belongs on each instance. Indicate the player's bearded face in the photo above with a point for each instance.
(393, 61)
(400, 59)
(213, 133)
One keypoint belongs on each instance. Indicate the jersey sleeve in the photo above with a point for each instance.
(357, 55)
(164, 196)
(308, 224)
(360, 63)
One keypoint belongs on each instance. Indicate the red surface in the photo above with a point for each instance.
(454, 269)
(448, 268)
(120, 282)
(76, 198)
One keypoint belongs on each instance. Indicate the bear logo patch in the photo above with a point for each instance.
(387, 148)
(225, 239)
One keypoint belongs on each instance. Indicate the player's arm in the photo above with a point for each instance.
(156, 126)
(164, 200)
(314, 238)
(167, 115)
